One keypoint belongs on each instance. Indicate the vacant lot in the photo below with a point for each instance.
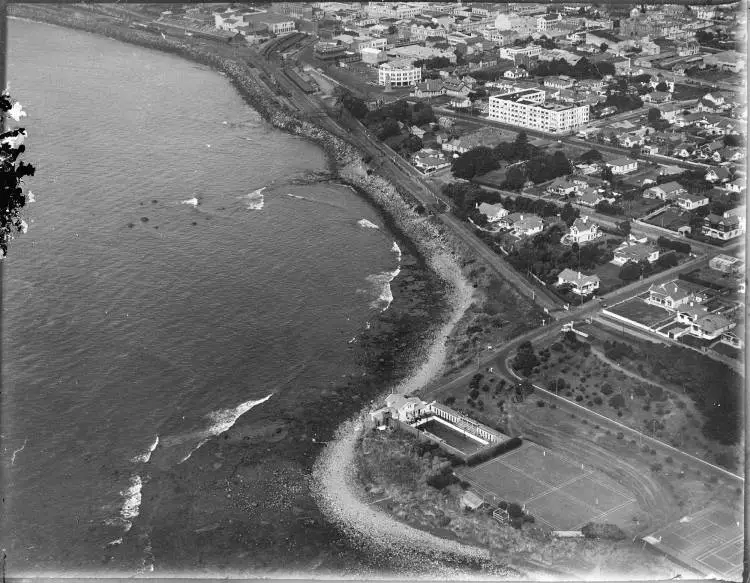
(671, 219)
(639, 207)
(609, 277)
(558, 492)
(639, 311)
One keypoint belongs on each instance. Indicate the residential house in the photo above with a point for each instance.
(429, 88)
(429, 160)
(579, 283)
(685, 149)
(721, 175)
(403, 408)
(635, 252)
(722, 227)
(493, 212)
(711, 326)
(590, 197)
(691, 202)
(562, 186)
(727, 264)
(559, 82)
(737, 185)
(582, 231)
(657, 97)
(456, 88)
(670, 111)
(515, 73)
(667, 191)
(522, 224)
(623, 165)
(671, 295)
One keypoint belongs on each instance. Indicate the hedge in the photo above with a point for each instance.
(490, 452)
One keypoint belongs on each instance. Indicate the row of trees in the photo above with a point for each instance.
(583, 69)
(483, 159)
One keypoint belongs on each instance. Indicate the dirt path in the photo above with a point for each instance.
(601, 356)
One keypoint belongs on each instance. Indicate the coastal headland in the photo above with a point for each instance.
(249, 490)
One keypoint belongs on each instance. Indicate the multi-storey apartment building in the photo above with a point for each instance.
(393, 10)
(527, 51)
(527, 108)
(399, 74)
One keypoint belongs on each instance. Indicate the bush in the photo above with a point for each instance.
(598, 400)
(474, 393)
(656, 467)
(540, 403)
(442, 480)
(617, 402)
(605, 531)
(607, 389)
(620, 435)
(490, 452)
(579, 398)
(450, 400)
(668, 459)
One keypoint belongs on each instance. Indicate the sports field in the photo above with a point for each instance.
(710, 541)
(558, 492)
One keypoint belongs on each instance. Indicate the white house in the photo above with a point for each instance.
(582, 231)
(522, 225)
(667, 191)
(516, 73)
(404, 408)
(635, 252)
(690, 202)
(670, 295)
(581, 284)
(718, 175)
(623, 165)
(493, 212)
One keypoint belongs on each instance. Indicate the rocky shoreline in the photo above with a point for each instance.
(247, 491)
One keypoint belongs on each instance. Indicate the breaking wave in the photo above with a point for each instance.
(220, 421)
(254, 200)
(131, 507)
(143, 458)
(382, 283)
(191, 201)
(367, 224)
(397, 250)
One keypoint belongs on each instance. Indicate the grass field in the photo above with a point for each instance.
(558, 492)
(639, 311)
(639, 207)
(671, 219)
(710, 540)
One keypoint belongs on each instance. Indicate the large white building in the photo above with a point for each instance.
(393, 10)
(527, 108)
(399, 74)
(527, 51)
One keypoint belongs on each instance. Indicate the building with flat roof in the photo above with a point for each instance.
(527, 108)
(399, 74)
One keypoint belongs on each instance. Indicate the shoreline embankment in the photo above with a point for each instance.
(425, 239)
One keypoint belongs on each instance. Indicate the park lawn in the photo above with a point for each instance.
(684, 92)
(494, 178)
(639, 311)
(727, 350)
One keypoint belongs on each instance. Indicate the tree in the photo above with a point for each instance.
(732, 141)
(390, 128)
(653, 114)
(515, 178)
(662, 86)
(603, 47)
(476, 161)
(624, 227)
(630, 271)
(569, 214)
(12, 198)
(525, 359)
(354, 105)
(591, 156)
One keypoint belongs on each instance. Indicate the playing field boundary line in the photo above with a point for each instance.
(625, 427)
(735, 540)
(608, 487)
(605, 513)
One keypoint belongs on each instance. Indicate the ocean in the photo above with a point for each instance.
(184, 264)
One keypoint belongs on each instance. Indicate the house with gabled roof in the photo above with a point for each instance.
(718, 175)
(590, 197)
(691, 202)
(670, 295)
(429, 88)
(524, 225)
(623, 165)
(722, 227)
(582, 231)
(711, 326)
(580, 284)
(493, 212)
(667, 191)
(562, 186)
(635, 252)
(657, 97)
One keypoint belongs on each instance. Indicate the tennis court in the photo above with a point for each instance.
(558, 492)
(710, 541)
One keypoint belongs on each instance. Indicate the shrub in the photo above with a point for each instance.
(450, 400)
(540, 403)
(553, 406)
(605, 531)
(619, 413)
(668, 459)
(645, 449)
(656, 467)
(620, 435)
(598, 400)
(486, 388)
(607, 389)
(442, 480)
(474, 393)
(617, 401)
(579, 398)
(653, 452)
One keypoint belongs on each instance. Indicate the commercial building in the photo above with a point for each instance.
(399, 74)
(527, 108)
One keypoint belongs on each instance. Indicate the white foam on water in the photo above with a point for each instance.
(397, 250)
(220, 421)
(132, 504)
(367, 224)
(119, 522)
(382, 283)
(254, 200)
(117, 541)
(297, 196)
(191, 201)
(144, 458)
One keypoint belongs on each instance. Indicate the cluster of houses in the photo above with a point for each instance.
(518, 224)
(587, 190)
